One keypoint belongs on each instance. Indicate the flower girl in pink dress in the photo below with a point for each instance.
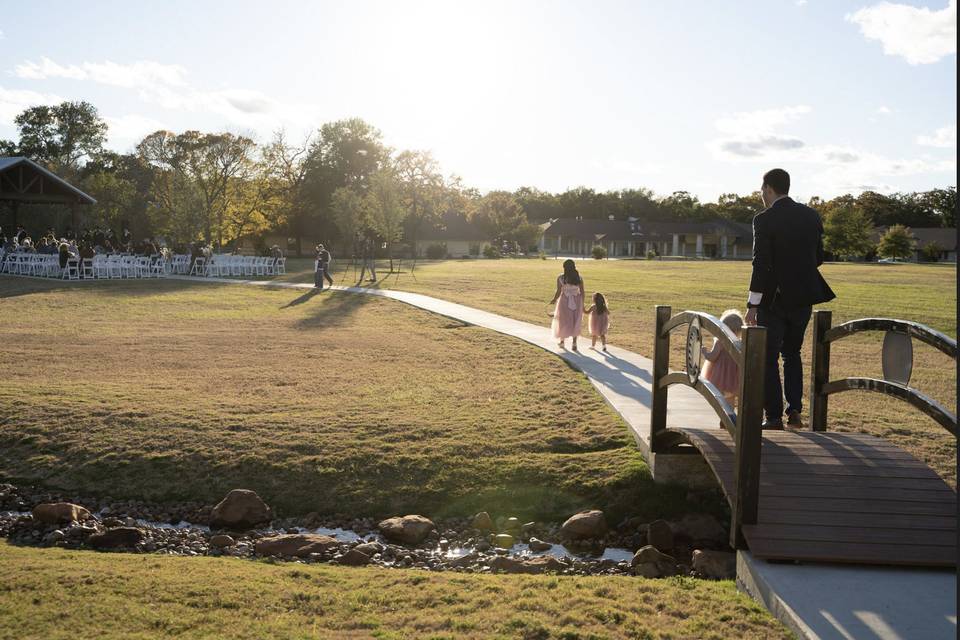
(599, 314)
(568, 312)
(721, 369)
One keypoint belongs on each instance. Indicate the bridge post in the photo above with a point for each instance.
(661, 366)
(820, 370)
(748, 436)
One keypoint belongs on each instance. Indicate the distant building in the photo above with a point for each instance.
(633, 238)
(945, 238)
(456, 234)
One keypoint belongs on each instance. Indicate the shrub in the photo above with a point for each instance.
(436, 251)
(542, 255)
(651, 255)
(931, 252)
(599, 253)
(491, 251)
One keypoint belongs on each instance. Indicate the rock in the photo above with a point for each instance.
(242, 509)
(586, 524)
(538, 545)
(299, 545)
(650, 563)
(534, 565)
(115, 538)
(527, 528)
(700, 527)
(512, 524)
(54, 537)
(410, 530)
(465, 561)
(220, 541)
(482, 521)
(721, 565)
(370, 548)
(60, 513)
(503, 540)
(354, 558)
(660, 535)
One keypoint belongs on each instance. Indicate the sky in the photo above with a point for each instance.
(701, 96)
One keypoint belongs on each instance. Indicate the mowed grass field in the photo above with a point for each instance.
(332, 402)
(923, 293)
(52, 593)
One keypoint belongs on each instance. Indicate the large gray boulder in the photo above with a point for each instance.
(700, 528)
(299, 545)
(651, 563)
(411, 529)
(60, 513)
(242, 509)
(660, 535)
(720, 565)
(584, 525)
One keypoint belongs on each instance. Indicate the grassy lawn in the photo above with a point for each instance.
(335, 403)
(923, 293)
(52, 593)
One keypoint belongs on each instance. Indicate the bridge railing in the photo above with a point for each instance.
(896, 360)
(743, 422)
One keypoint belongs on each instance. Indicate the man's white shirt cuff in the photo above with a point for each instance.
(754, 298)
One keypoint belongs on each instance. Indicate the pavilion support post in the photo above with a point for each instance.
(820, 371)
(748, 436)
(661, 367)
(73, 216)
(15, 209)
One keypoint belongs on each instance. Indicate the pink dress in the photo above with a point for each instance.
(568, 314)
(721, 369)
(599, 323)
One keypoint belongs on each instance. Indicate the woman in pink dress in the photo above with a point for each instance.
(568, 313)
(721, 369)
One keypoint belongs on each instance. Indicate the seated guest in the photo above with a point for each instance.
(64, 254)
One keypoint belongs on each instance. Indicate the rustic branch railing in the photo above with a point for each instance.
(896, 358)
(744, 424)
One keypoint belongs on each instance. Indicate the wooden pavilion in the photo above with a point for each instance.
(24, 181)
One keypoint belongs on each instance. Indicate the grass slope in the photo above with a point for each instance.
(923, 293)
(335, 402)
(53, 593)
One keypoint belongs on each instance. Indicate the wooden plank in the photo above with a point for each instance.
(892, 507)
(838, 470)
(776, 453)
(875, 482)
(841, 519)
(860, 553)
(859, 493)
(812, 533)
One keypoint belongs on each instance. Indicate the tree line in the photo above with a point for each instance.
(343, 184)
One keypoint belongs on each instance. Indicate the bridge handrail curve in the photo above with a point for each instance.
(716, 327)
(725, 411)
(921, 332)
(821, 386)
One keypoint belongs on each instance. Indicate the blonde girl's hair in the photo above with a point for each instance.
(733, 320)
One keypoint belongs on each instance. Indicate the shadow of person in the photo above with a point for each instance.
(300, 300)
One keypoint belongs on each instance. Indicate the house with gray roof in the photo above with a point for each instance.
(634, 238)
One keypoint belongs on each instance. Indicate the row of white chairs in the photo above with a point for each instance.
(224, 265)
(114, 266)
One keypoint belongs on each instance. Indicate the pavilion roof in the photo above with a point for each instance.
(23, 180)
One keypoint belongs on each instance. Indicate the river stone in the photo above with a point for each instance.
(465, 560)
(503, 540)
(527, 528)
(721, 565)
(299, 545)
(242, 509)
(410, 529)
(650, 563)
(54, 537)
(482, 521)
(586, 524)
(700, 528)
(507, 564)
(369, 548)
(221, 540)
(512, 524)
(660, 535)
(59, 513)
(354, 558)
(115, 538)
(538, 545)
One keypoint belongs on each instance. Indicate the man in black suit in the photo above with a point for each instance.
(787, 249)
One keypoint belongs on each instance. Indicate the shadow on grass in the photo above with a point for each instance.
(336, 308)
(16, 286)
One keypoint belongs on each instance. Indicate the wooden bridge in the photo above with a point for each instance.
(814, 495)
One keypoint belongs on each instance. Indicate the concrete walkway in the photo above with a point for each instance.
(814, 601)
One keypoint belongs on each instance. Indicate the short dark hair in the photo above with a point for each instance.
(778, 180)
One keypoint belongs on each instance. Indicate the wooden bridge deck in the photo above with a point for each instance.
(840, 497)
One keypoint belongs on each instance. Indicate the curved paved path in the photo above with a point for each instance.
(622, 377)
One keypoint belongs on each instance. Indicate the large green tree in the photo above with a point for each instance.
(61, 136)
(846, 230)
(384, 208)
(499, 215)
(897, 242)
